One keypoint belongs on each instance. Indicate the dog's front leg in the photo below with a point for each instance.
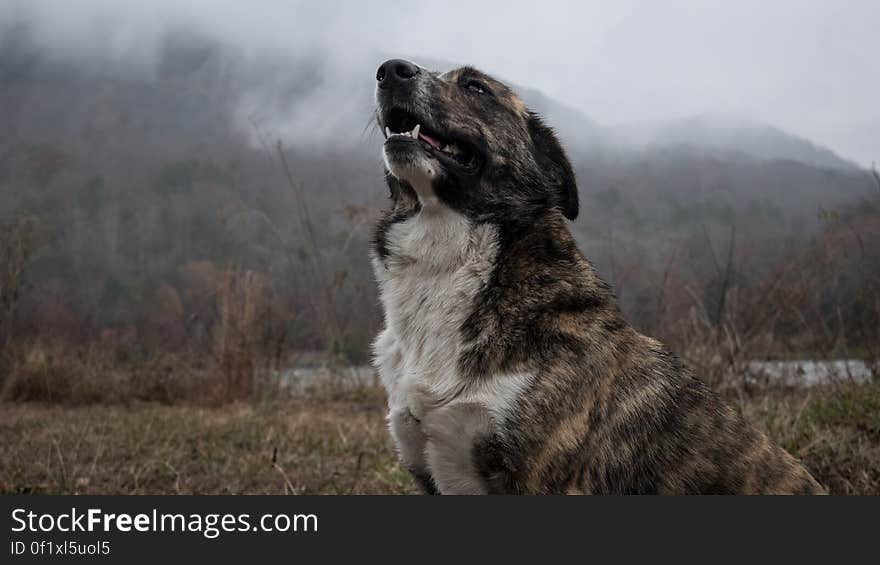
(411, 441)
(452, 432)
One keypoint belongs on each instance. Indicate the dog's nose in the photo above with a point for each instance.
(394, 72)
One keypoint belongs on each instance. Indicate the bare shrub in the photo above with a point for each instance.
(238, 349)
(20, 238)
(819, 302)
(52, 372)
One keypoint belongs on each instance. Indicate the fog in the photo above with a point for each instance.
(809, 68)
(173, 174)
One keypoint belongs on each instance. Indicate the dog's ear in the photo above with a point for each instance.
(553, 161)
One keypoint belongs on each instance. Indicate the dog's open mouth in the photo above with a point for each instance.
(402, 126)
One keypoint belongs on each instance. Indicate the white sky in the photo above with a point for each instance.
(809, 67)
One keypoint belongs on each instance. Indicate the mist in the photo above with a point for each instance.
(807, 68)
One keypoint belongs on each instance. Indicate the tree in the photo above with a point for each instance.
(20, 238)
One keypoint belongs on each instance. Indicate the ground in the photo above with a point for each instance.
(335, 442)
(315, 445)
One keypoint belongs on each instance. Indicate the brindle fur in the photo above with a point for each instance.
(608, 410)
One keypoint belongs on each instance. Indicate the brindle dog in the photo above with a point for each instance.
(508, 365)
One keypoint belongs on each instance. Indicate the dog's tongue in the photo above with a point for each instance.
(431, 141)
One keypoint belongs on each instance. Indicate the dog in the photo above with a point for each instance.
(508, 366)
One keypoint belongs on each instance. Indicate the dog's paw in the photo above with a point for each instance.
(452, 432)
(409, 438)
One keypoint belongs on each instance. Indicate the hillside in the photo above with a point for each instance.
(723, 135)
(146, 183)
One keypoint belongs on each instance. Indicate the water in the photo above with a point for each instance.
(353, 376)
(809, 372)
(805, 372)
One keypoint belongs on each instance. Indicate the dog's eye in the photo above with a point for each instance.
(476, 86)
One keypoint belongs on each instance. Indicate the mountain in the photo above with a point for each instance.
(209, 89)
(734, 137)
(140, 177)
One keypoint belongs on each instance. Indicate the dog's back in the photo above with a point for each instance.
(609, 410)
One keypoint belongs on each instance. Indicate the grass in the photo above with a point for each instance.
(316, 444)
(334, 441)
(834, 431)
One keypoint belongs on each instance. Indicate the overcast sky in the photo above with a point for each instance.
(809, 67)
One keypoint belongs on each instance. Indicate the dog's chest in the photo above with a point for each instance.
(437, 265)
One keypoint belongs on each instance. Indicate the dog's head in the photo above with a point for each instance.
(467, 140)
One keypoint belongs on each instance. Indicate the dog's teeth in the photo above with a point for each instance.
(387, 131)
(415, 131)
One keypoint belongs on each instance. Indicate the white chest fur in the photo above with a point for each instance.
(438, 263)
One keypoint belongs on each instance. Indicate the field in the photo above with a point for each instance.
(325, 443)
(333, 440)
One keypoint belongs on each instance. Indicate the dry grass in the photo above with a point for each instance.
(323, 443)
(56, 373)
(334, 441)
(834, 431)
